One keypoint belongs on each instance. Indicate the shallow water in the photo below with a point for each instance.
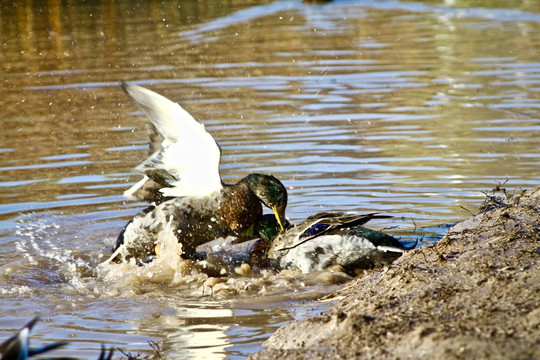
(408, 108)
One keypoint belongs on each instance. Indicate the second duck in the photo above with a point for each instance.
(323, 240)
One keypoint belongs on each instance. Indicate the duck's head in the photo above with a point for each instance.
(268, 228)
(271, 192)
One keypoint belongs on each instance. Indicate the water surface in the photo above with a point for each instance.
(406, 108)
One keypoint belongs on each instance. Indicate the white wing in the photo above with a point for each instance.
(188, 153)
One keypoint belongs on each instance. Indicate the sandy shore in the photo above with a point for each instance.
(473, 295)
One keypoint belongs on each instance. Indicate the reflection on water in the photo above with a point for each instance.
(409, 108)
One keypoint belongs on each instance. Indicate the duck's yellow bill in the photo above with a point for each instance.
(279, 213)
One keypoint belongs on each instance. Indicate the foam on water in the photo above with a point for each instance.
(167, 268)
(47, 260)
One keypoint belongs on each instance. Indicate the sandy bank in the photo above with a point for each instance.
(473, 295)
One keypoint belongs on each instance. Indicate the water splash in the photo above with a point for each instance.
(42, 257)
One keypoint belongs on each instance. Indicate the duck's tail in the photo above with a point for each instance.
(395, 249)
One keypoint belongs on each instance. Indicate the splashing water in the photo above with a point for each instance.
(167, 267)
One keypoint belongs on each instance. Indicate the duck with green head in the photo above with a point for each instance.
(323, 240)
(181, 178)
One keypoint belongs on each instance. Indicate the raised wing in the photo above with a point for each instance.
(188, 153)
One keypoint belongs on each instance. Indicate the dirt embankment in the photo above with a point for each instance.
(473, 295)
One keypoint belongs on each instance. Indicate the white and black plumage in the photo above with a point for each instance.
(182, 179)
(330, 238)
(186, 160)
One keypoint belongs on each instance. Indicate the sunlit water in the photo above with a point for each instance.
(404, 108)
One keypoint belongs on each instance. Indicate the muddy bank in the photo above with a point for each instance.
(474, 294)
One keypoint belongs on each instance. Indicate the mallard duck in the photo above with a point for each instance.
(17, 347)
(182, 179)
(326, 239)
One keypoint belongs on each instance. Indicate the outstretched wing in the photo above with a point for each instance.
(188, 153)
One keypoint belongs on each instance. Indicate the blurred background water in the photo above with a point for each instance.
(401, 107)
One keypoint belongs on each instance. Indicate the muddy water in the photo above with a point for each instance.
(406, 108)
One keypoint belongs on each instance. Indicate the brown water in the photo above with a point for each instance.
(407, 108)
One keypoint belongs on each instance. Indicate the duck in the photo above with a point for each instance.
(182, 182)
(17, 347)
(323, 240)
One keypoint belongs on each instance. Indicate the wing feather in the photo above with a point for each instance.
(188, 152)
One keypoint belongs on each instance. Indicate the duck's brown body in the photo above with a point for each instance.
(193, 220)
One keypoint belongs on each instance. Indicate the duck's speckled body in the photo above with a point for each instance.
(194, 220)
(327, 239)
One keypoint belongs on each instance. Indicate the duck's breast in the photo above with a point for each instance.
(238, 207)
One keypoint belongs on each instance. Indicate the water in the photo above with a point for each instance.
(407, 108)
